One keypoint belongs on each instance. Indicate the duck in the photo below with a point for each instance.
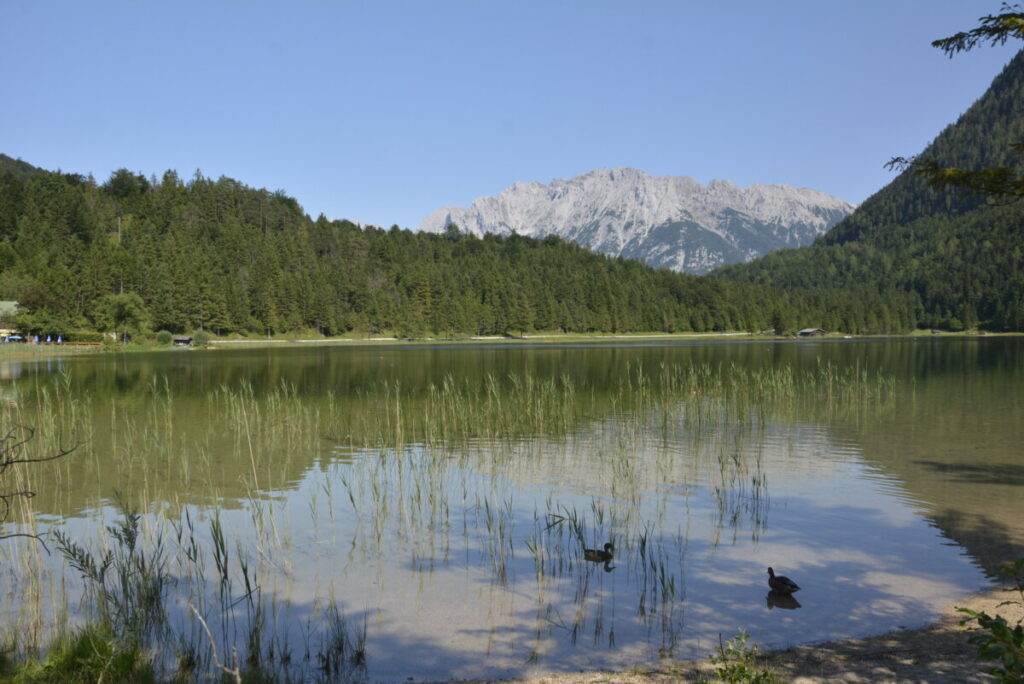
(780, 584)
(598, 556)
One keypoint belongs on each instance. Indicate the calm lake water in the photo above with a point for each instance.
(434, 501)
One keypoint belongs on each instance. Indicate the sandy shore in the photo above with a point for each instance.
(939, 653)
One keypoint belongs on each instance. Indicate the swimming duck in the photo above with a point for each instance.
(780, 584)
(599, 556)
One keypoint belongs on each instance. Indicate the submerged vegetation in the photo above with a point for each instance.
(183, 585)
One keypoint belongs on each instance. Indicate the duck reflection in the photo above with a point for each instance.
(777, 599)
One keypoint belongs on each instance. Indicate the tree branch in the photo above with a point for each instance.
(995, 29)
(30, 536)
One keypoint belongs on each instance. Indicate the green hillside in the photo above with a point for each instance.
(218, 255)
(960, 254)
(17, 168)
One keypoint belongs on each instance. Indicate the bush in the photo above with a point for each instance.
(201, 338)
(79, 336)
(164, 338)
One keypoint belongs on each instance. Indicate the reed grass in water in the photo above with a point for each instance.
(415, 474)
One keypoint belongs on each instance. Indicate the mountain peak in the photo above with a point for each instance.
(667, 221)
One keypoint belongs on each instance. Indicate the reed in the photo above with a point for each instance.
(431, 477)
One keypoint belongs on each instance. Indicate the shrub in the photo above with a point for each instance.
(164, 338)
(80, 336)
(201, 338)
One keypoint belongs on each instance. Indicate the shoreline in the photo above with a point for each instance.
(36, 352)
(937, 654)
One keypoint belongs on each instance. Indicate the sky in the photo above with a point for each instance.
(383, 111)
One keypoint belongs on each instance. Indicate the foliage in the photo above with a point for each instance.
(994, 29)
(91, 654)
(124, 313)
(997, 640)
(164, 337)
(126, 582)
(219, 256)
(735, 661)
(82, 336)
(17, 167)
(997, 181)
(945, 259)
(994, 181)
(42, 322)
(201, 338)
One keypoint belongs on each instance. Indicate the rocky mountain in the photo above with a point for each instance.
(667, 222)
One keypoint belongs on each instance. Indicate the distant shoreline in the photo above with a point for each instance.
(552, 337)
(557, 338)
(22, 352)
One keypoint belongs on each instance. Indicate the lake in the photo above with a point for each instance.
(421, 511)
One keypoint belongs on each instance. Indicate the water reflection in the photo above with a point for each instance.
(374, 487)
(775, 599)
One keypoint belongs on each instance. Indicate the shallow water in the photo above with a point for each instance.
(338, 476)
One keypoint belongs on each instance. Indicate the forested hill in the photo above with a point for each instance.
(961, 254)
(17, 168)
(217, 255)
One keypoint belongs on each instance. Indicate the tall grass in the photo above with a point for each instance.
(491, 470)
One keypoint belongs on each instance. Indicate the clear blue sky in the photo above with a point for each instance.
(382, 111)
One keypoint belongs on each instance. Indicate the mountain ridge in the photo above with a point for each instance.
(666, 221)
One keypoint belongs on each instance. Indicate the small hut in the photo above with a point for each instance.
(811, 332)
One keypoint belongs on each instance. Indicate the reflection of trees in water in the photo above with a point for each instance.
(952, 442)
(168, 446)
(448, 476)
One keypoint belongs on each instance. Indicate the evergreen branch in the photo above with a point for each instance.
(995, 29)
(1004, 182)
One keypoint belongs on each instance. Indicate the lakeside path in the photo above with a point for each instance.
(937, 654)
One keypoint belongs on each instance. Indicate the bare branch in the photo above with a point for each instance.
(236, 672)
(10, 445)
(30, 536)
(61, 454)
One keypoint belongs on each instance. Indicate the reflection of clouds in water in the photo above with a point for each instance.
(434, 607)
(859, 568)
(913, 587)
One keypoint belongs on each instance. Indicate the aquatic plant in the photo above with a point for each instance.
(998, 640)
(736, 662)
(424, 474)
